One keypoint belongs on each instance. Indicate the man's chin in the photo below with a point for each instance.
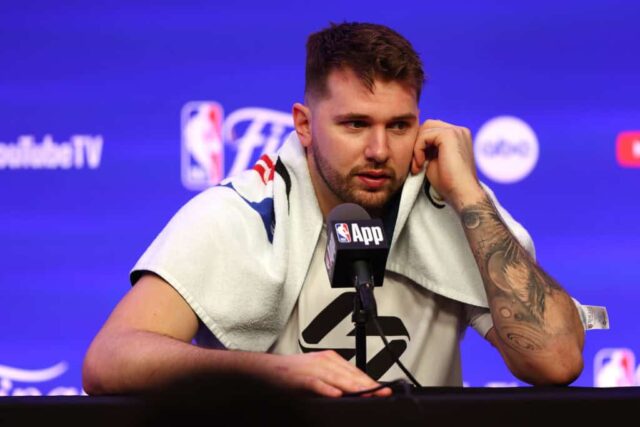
(371, 201)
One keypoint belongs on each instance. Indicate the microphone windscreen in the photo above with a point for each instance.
(347, 211)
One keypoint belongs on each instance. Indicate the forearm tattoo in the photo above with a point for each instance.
(518, 290)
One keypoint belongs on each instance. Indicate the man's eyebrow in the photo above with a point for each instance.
(350, 116)
(356, 116)
(407, 117)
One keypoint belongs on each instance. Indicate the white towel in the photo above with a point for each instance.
(238, 253)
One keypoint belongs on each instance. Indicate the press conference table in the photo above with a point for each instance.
(408, 407)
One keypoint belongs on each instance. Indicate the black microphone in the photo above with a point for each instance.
(356, 255)
(357, 247)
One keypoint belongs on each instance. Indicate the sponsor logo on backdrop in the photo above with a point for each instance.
(506, 149)
(11, 379)
(243, 136)
(628, 149)
(202, 150)
(79, 152)
(615, 367)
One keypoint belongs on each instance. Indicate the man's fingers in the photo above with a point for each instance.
(318, 386)
(433, 123)
(418, 154)
(415, 167)
(326, 373)
(384, 392)
(340, 373)
(338, 379)
(348, 380)
(426, 147)
(349, 366)
(340, 362)
(431, 137)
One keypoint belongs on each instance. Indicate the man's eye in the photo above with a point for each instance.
(399, 125)
(356, 124)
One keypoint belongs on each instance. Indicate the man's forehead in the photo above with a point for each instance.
(339, 78)
(347, 94)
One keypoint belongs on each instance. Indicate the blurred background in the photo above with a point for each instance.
(114, 114)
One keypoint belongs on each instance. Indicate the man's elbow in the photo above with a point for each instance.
(91, 383)
(554, 370)
(98, 369)
(92, 375)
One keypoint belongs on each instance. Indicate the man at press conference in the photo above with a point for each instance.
(236, 282)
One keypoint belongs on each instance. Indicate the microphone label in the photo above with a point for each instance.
(362, 234)
(367, 234)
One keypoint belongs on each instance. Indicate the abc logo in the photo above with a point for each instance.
(506, 149)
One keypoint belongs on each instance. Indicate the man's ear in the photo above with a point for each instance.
(302, 123)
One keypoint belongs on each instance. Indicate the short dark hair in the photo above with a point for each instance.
(370, 50)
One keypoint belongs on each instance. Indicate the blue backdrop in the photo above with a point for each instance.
(93, 158)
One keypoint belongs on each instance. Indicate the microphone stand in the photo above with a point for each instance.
(364, 306)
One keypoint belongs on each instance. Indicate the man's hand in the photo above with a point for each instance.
(146, 345)
(451, 167)
(325, 373)
(536, 326)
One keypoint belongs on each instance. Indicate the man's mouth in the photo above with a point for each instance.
(374, 179)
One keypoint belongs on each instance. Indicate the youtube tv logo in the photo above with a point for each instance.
(628, 149)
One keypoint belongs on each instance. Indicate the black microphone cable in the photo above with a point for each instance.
(393, 355)
(364, 291)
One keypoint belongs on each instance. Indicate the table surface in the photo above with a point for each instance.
(408, 406)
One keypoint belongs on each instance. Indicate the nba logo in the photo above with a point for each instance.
(342, 231)
(202, 147)
(614, 367)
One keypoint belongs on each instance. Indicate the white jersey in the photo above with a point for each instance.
(424, 328)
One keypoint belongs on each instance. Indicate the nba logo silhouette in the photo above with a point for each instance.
(342, 231)
(614, 367)
(202, 147)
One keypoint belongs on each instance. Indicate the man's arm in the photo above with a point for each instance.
(146, 345)
(537, 328)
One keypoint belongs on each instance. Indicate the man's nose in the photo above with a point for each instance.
(377, 149)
